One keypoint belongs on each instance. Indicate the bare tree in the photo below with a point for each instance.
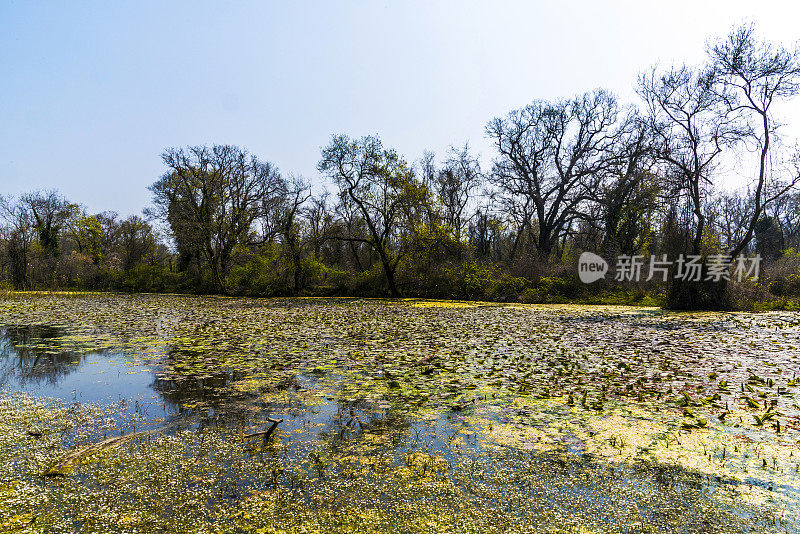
(19, 236)
(350, 229)
(691, 128)
(320, 221)
(551, 158)
(752, 77)
(786, 212)
(628, 194)
(136, 242)
(455, 185)
(727, 214)
(296, 193)
(381, 186)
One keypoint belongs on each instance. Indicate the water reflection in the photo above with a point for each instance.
(33, 360)
(34, 356)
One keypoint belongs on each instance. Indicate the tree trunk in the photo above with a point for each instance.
(699, 295)
(389, 272)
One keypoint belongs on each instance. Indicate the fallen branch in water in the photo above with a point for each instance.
(61, 468)
(266, 433)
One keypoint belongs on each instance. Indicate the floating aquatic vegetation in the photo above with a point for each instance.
(405, 416)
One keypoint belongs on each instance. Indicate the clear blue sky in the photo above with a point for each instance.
(92, 92)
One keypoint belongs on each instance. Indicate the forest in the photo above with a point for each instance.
(699, 165)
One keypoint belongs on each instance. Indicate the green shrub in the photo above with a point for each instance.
(143, 278)
(262, 274)
(555, 289)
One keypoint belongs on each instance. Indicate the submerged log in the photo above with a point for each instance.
(268, 432)
(62, 467)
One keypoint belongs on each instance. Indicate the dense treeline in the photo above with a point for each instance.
(586, 173)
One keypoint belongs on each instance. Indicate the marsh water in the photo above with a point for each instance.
(402, 416)
(32, 361)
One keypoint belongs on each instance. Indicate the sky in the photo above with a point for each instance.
(92, 93)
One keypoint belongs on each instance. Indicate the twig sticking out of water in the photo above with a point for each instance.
(266, 433)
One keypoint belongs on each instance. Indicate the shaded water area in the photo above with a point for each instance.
(143, 396)
(397, 416)
(34, 362)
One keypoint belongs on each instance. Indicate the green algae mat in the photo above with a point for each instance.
(395, 416)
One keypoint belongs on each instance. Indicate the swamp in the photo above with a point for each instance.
(166, 413)
(408, 267)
